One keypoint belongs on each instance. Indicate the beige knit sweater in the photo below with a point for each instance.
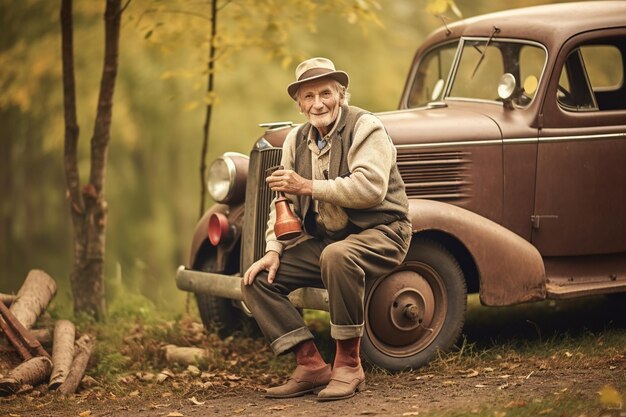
(370, 159)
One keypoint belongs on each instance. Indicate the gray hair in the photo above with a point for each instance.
(344, 94)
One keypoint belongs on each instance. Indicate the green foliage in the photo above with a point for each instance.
(153, 174)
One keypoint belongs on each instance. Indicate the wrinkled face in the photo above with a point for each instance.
(319, 100)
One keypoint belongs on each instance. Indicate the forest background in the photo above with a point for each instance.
(152, 178)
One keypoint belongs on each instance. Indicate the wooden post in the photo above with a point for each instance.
(62, 352)
(33, 297)
(84, 346)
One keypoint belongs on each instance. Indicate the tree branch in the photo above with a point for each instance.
(72, 176)
(209, 107)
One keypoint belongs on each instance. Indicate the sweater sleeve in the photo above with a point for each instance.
(370, 160)
(287, 161)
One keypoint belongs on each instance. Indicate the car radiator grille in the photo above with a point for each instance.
(258, 199)
(441, 175)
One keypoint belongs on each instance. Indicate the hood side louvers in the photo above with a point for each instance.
(438, 175)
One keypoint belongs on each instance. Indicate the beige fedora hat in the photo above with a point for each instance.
(315, 68)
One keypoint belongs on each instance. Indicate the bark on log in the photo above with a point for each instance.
(62, 352)
(31, 372)
(84, 346)
(185, 355)
(7, 298)
(33, 297)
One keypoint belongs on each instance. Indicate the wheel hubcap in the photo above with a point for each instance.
(406, 310)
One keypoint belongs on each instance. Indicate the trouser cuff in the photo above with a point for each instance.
(289, 340)
(343, 332)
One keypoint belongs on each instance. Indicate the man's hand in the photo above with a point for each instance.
(269, 262)
(289, 182)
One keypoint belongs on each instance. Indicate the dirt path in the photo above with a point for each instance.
(540, 385)
(550, 359)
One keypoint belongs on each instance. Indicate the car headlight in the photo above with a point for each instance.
(227, 178)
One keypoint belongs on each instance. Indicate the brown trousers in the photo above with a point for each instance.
(339, 266)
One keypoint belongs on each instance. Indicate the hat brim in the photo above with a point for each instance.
(339, 76)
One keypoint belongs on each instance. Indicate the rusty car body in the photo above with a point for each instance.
(511, 139)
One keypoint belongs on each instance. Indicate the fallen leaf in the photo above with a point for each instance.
(480, 386)
(610, 398)
(134, 393)
(240, 410)
(194, 370)
(411, 413)
(175, 414)
(196, 402)
(499, 414)
(471, 373)
(568, 354)
(280, 407)
(85, 413)
(448, 383)
(161, 377)
(157, 406)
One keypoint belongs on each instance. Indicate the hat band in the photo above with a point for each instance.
(314, 72)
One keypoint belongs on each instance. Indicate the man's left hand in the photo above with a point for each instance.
(289, 182)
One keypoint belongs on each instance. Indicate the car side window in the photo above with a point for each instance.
(592, 79)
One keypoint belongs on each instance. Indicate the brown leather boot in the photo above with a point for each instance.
(311, 374)
(348, 376)
(302, 381)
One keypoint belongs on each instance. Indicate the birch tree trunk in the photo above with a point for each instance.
(7, 298)
(33, 297)
(30, 372)
(62, 352)
(84, 346)
(87, 205)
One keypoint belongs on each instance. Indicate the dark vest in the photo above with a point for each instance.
(393, 207)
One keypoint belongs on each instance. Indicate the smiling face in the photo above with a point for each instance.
(319, 100)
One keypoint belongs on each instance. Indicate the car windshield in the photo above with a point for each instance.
(432, 70)
(482, 63)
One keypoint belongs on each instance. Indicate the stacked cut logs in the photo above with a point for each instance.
(66, 367)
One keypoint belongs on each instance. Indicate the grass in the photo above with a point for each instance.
(559, 334)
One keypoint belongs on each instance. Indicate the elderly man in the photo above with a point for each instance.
(340, 174)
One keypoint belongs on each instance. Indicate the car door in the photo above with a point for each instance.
(580, 200)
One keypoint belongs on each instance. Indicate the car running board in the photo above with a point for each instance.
(564, 288)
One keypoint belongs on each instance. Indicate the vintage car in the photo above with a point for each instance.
(511, 139)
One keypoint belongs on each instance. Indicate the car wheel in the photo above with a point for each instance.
(218, 313)
(416, 310)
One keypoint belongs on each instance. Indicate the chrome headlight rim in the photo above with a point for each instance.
(235, 176)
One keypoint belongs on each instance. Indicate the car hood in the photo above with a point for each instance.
(424, 126)
(438, 125)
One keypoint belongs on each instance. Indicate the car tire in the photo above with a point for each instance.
(217, 313)
(416, 311)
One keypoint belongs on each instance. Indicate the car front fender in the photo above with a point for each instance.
(234, 214)
(510, 269)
